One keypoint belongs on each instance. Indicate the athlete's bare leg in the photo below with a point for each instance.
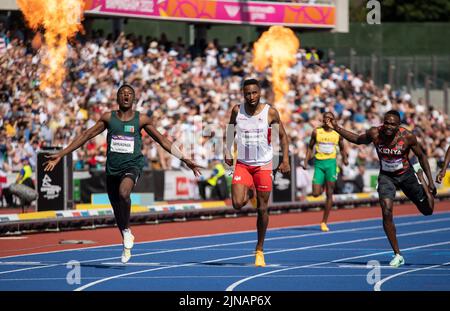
(317, 190)
(329, 200)
(429, 208)
(239, 195)
(388, 223)
(263, 217)
(119, 196)
(113, 195)
(125, 188)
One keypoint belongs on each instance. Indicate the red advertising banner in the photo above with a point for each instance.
(182, 186)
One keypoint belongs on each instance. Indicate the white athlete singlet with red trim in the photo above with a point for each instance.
(253, 139)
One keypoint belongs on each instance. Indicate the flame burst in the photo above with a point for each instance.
(60, 20)
(277, 47)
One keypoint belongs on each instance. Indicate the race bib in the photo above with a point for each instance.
(122, 144)
(252, 138)
(326, 148)
(391, 166)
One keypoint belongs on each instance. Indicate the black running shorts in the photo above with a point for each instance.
(408, 182)
(132, 172)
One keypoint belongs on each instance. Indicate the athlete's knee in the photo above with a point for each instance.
(237, 205)
(124, 194)
(316, 192)
(386, 211)
(263, 208)
(329, 193)
(426, 210)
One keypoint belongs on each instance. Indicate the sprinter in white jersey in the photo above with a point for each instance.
(253, 122)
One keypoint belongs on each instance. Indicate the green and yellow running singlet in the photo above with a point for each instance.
(326, 144)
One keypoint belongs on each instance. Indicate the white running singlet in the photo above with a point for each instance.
(253, 139)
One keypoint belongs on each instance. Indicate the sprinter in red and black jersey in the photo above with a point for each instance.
(393, 144)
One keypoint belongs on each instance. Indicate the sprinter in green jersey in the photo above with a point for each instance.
(124, 157)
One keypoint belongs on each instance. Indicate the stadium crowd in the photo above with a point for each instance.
(184, 89)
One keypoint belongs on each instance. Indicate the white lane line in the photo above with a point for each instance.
(231, 233)
(266, 249)
(378, 284)
(233, 243)
(138, 264)
(364, 267)
(281, 251)
(217, 277)
(235, 284)
(21, 263)
(237, 243)
(143, 264)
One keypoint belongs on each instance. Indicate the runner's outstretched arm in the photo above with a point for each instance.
(363, 139)
(441, 174)
(343, 151)
(423, 161)
(309, 150)
(167, 145)
(79, 141)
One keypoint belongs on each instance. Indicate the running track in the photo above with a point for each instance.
(217, 255)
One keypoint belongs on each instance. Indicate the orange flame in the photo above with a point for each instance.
(36, 43)
(277, 47)
(61, 20)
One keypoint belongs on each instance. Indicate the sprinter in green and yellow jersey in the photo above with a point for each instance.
(326, 141)
(124, 161)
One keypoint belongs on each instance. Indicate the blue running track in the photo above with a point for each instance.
(355, 255)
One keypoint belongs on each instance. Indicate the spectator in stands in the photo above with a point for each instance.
(25, 176)
(217, 182)
(175, 83)
(359, 179)
(312, 57)
(3, 184)
(4, 39)
(439, 152)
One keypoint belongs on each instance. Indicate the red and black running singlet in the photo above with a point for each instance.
(393, 157)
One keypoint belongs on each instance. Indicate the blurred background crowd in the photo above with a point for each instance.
(184, 89)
